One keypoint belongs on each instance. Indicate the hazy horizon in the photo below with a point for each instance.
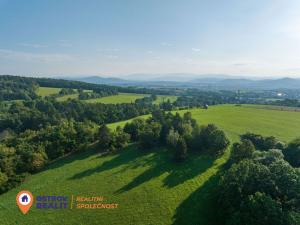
(178, 77)
(258, 39)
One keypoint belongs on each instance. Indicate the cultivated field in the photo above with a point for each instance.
(148, 186)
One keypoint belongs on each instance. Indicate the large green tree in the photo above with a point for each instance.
(292, 153)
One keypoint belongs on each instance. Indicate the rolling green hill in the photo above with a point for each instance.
(148, 186)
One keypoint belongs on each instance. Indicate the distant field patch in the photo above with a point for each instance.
(66, 97)
(120, 98)
(46, 91)
(164, 98)
(274, 107)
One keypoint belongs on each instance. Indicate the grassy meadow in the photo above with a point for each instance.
(163, 98)
(129, 98)
(236, 120)
(66, 97)
(46, 91)
(115, 99)
(147, 185)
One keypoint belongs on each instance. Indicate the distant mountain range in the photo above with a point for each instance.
(224, 82)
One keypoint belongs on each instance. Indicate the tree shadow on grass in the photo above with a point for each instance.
(125, 157)
(181, 172)
(161, 162)
(80, 155)
(158, 161)
(200, 206)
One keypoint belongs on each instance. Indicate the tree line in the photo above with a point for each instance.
(39, 113)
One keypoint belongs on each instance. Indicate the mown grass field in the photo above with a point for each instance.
(46, 91)
(115, 99)
(148, 186)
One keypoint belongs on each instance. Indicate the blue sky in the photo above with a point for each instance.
(116, 37)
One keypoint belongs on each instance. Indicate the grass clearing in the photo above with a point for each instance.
(129, 98)
(148, 186)
(46, 91)
(163, 98)
(66, 97)
(116, 99)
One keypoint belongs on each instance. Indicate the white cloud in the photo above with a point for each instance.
(33, 45)
(65, 43)
(112, 56)
(34, 57)
(109, 50)
(292, 29)
(196, 49)
(166, 44)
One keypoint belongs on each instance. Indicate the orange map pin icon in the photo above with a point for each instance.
(24, 201)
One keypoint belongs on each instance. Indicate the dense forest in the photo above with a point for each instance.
(17, 88)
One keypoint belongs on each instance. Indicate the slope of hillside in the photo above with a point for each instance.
(148, 186)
